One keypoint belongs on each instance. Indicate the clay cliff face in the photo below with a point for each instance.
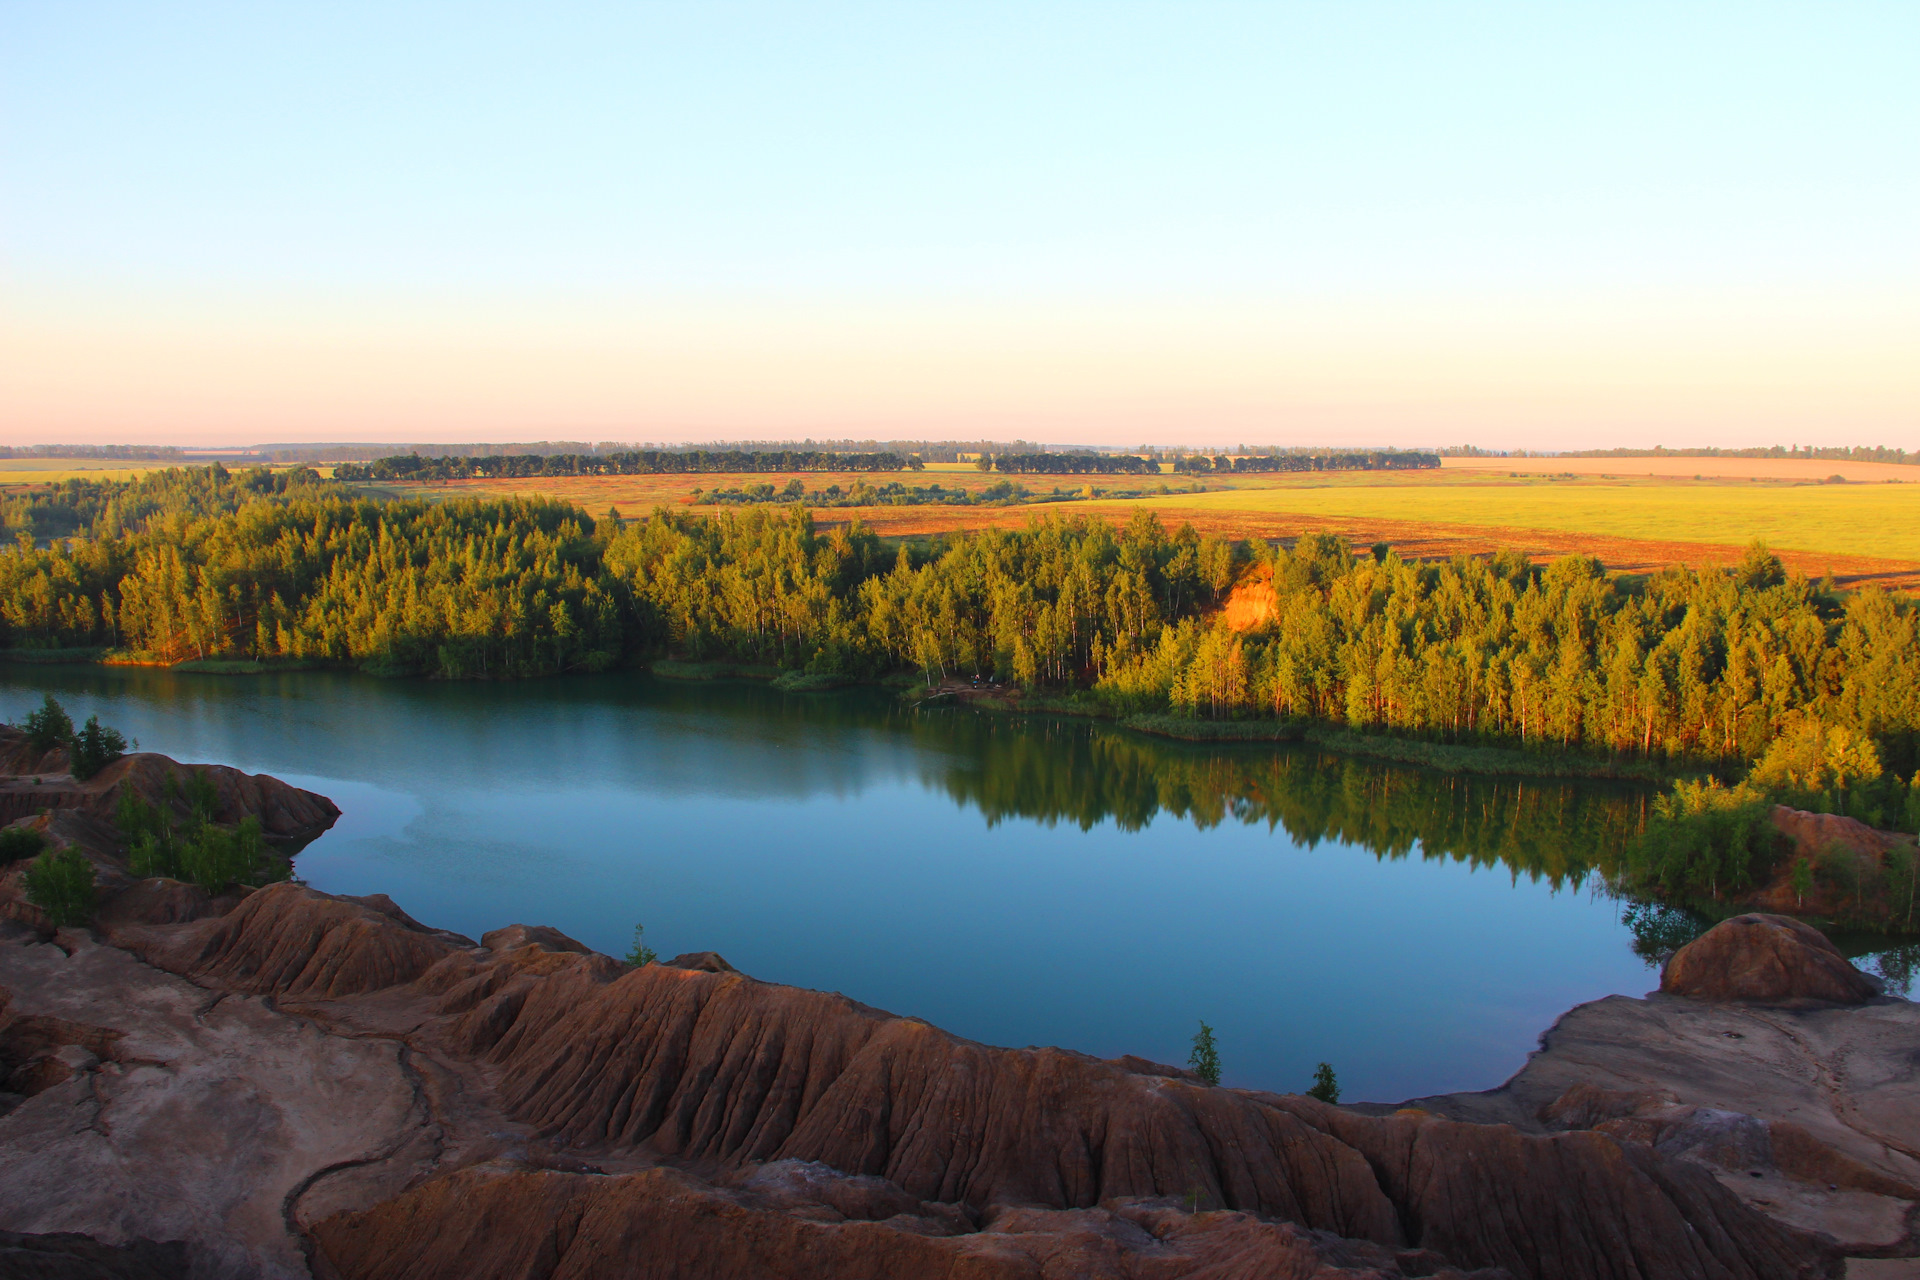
(671, 1115)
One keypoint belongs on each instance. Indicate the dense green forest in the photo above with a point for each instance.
(632, 462)
(1371, 460)
(1707, 666)
(1007, 493)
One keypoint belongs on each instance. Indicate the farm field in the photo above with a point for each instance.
(1879, 520)
(19, 471)
(1861, 533)
(1688, 468)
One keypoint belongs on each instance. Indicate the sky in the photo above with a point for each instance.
(1518, 225)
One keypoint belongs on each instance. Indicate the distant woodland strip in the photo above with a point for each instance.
(637, 462)
(1683, 666)
(1374, 460)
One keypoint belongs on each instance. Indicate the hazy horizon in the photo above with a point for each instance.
(1284, 224)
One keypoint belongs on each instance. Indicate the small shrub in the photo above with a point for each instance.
(94, 748)
(17, 844)
(1802, 878)
(641, 953)
(1704, 838)
(216, 857)
(49, 727)
(60, 883)
(1205, 1058)
(1326, 1085)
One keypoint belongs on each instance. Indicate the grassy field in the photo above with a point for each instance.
(1876, 520)
(1695, 468)
(18, 471)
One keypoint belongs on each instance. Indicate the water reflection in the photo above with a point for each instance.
(1053, 771)
(1016, 880)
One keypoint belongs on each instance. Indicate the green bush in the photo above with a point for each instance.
(1326, 1085)
(216, 857)
(1704, 838)
(19, 843)
(60, 883)
(202, 853)
(94, 748)
(49, 727)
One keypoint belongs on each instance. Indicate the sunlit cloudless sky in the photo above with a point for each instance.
(1546, 226)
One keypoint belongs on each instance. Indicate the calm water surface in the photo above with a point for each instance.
(1014, 881)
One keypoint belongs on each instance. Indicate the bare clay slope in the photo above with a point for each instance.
(715, 1072)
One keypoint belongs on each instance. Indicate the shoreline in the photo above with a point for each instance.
(1484, 760)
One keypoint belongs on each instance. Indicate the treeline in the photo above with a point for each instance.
(1069, 464)
(862, 494)
(1372, 460)
(108, 508)
(140, 451)
(1708, 665)
(639, 462)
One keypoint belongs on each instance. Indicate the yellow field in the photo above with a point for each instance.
(1880, 520)
(50, 470)
(31, 471)
(1696, 468)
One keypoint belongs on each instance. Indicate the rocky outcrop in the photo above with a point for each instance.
(156, 1109)
(1815, 834)
(1809, 1113)
(788, 1221)
(287, 940)
(715, 1072)
(416, 1104)
(1848, 857)
(66, 1255)
(1765, 958)
(30, 784)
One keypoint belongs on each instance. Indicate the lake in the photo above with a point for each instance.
(1014, 880)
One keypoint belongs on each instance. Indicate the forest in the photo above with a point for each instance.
(636, 462)
(1371, 460)
(1684, 666)
(1069, 464)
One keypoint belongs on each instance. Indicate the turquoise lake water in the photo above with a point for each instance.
(1016, 881)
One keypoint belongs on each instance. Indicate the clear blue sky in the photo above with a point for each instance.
(1545, 224)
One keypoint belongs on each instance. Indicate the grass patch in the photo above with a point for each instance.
(94, 654)
(244, 666)
(675, 669)
(1454, 757)
(1191, 730)
(810, 682)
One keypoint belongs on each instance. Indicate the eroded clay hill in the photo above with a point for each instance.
(33, 781)
(682, 1121)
